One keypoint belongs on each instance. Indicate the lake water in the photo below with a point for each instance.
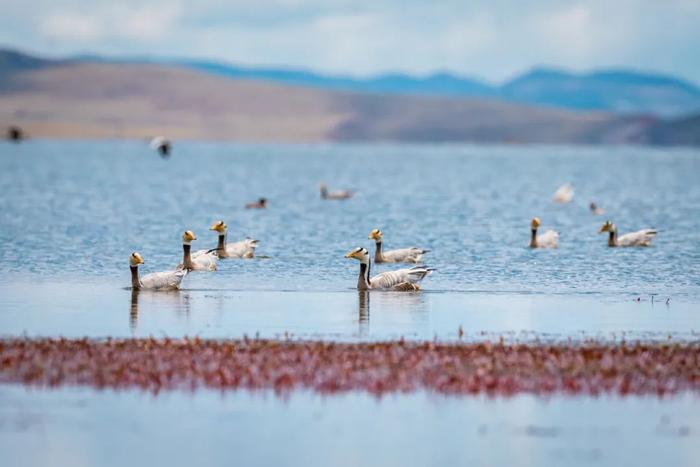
(72, 212)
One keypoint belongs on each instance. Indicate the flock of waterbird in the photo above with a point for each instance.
(405, 279)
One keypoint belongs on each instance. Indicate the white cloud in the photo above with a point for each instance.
(72, 26)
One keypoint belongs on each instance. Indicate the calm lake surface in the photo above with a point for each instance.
(72, 212)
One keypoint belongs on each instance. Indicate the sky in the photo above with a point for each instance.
(493, 40)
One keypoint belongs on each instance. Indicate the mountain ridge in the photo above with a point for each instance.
(616, 90)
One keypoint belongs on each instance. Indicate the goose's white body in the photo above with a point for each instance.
(639, 238)
(401, 279)
(403, 255)
(167, 280)
(204, 260)
(241, 249)
(549, 239)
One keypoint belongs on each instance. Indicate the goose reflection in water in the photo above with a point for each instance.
(143, 300)
(411, 306)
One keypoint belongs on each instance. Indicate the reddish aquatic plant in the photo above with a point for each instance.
(453, 368)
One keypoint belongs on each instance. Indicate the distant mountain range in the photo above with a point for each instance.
(619, 91)
(97, 97)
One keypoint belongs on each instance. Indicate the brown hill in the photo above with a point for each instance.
(102, 100)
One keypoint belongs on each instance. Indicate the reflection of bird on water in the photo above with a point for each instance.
(259, 204)
(639, 238)
(403, 255)
(15, 134)
(595, 209)
(363, 305)
(564, 194)
(549, 239)
(134, 309)
(241, 249)
(200, 260)
(337, 194)
(162, 145)
(167, 280)
(398, 280)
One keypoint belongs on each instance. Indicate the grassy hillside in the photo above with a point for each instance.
(109, 100)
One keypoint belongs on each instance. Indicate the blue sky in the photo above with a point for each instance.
(489, 39)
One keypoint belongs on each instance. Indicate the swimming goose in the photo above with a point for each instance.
(564, 194)
(167, 280)
(403, 255)
(260, 204)
(162, 145)
(405, 280)
(200, 260)
(549, 239)
(241, 249)
(338, 194)
(595, 209)
(639, 238)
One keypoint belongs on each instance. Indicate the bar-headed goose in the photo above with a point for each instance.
(549, 239)
(595, 209)
(162, 145)
(167, 280)
(241, 249)
(261, 203)
(564, 194)
(399, 280)
(402, 255)
(336, 194)
(639, 238)
(200, 260)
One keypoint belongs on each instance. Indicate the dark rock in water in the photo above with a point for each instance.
(15, 134)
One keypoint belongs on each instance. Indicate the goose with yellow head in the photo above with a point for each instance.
(166, 280)
(549, 239)
(639, 238)
(200, 260)
(402, 255)
(241, 249)
(403, 280)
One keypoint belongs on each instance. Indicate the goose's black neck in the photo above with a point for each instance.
(186, 256)
(135, 284)
(378, 252)
(612, 238)
(221, 246)
(363, 280)
(533, 238)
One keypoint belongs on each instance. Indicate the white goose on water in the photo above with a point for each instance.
(549, 239)
(564, 194)
(402, 255)
(405, 280)
(639, 238)
(167, 280)
(336, 194)
(241, 249)
(200, 260)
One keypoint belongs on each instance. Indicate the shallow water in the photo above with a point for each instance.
(72, 212)
(71, 426)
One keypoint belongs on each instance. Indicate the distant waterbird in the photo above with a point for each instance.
(167, 280)
(241, 249)
(564, 194)
(261, 203)
(549, 239)
(640, 238)
(15, 134)
(402, 255)
(336, 194)
(403, 280)
(595, 209)
(162, 145)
